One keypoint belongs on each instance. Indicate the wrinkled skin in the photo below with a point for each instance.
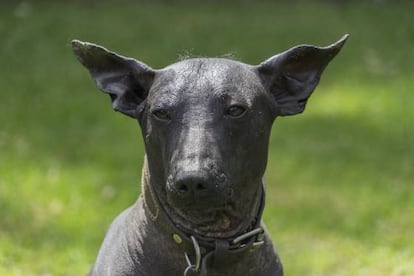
(201, 142)
(206, 124)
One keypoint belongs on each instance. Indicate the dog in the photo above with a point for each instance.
(206, 124)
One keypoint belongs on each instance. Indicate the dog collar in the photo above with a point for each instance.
(201, 252)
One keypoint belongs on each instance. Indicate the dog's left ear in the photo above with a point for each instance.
(126, 80)
(291, 76)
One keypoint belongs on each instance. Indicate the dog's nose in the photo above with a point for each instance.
(193, 184)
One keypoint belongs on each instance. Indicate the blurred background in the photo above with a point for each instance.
(340, 177)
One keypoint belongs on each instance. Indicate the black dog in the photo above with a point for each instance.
(206, 125)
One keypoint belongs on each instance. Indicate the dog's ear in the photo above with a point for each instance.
(126, 80)
(291, 76)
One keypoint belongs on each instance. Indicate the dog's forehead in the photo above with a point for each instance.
(205, 77)
(217, 68)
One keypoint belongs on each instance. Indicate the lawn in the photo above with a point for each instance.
(340, 198)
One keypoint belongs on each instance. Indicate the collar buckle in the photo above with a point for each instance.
(196, 266)
(259, 232)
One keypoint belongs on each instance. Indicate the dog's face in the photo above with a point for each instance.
(206, 124)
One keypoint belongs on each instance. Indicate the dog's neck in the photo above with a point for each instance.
(199, 247)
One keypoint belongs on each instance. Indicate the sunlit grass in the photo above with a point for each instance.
(347, 181)
(339, 179)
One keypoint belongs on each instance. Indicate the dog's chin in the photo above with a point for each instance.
(221, 223)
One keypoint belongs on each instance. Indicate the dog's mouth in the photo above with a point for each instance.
(220, 222)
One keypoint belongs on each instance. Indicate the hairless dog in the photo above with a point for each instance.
(206, 124)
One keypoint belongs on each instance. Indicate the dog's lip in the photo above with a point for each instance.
(200, 204)
(210, 223)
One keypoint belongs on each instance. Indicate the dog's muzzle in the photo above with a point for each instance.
(201, 188)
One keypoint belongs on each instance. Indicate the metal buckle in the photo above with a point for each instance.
(258, 232)
(247, 235)
(193, 267)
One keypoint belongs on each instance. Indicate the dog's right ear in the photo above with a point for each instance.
(126, 80)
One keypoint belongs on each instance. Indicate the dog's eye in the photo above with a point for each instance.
(161, 114)
(236, 111)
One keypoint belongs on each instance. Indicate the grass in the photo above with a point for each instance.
(340, 199)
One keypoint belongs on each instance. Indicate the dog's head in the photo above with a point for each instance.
(206, 125)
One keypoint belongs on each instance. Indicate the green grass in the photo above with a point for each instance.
(340, 199)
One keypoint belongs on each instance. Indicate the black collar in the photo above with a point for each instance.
(197, 247)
